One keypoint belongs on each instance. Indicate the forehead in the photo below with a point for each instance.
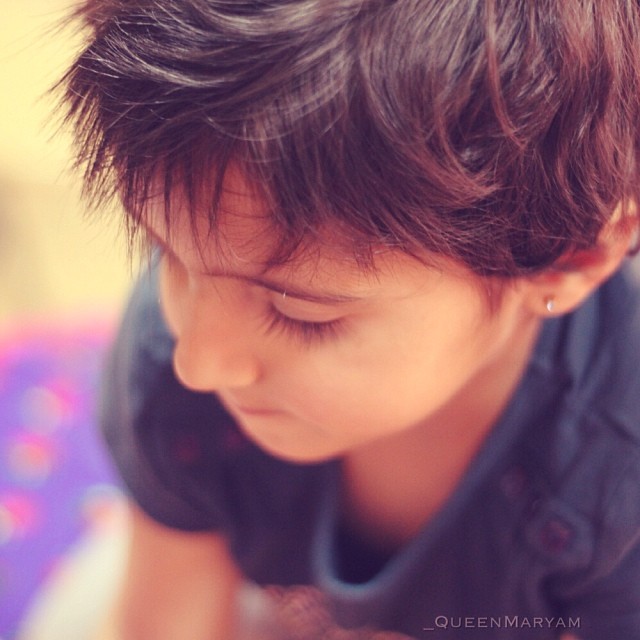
(241, 236)
(242, 240)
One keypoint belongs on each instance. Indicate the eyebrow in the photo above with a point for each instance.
(264, 282)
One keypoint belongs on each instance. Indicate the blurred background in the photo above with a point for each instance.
(53, 261)
(63, 279)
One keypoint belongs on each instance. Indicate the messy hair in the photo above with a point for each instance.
(499, 133)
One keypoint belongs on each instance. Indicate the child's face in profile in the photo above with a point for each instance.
(318, 357)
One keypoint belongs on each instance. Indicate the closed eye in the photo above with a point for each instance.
(305, 331)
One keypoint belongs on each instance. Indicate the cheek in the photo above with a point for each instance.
(351, 388)
(391, 380)
(362, 409)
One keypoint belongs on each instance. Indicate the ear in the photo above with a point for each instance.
(566, 284)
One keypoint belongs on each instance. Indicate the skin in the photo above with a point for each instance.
(400, 371)
(404, 388)
(318, 359)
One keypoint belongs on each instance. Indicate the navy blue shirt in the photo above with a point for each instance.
(541, 537)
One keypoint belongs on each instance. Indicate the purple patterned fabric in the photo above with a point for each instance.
(55, 480)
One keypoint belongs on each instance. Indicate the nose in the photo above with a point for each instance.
(214, 347)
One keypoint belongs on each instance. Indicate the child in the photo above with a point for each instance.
(384, 367)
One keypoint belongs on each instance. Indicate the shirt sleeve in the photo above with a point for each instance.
(154, 427)
(607, 606)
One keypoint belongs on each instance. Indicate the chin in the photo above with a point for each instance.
(292, 451)
(288, 440)
(298, 455)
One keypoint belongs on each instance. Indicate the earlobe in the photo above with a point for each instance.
(565, 285)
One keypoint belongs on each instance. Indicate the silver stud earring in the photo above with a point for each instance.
(550, 303)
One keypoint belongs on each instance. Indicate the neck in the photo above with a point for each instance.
(393, 486)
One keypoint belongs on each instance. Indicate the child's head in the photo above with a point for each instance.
(499, 133)
(487, 138)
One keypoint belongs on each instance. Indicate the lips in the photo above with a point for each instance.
(250, 410)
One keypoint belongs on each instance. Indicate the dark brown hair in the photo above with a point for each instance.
(501, 133)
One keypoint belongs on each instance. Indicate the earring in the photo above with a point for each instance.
(550, 303)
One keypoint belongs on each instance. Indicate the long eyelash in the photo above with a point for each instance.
(306, 332)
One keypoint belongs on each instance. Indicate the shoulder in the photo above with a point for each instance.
(597, 359)
(585, 456)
